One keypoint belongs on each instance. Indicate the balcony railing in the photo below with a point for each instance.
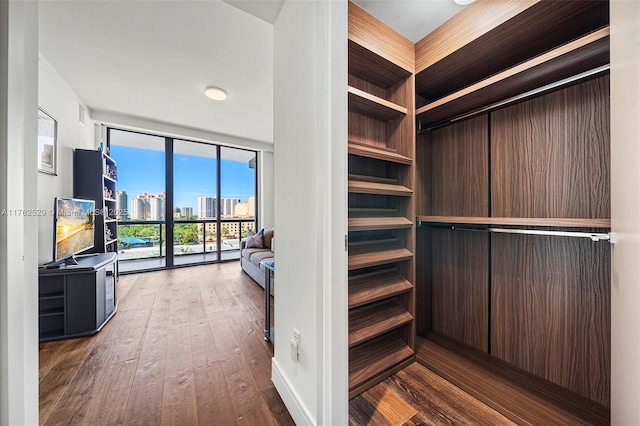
(146, 239)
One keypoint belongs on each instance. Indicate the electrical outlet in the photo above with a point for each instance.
(294, 348)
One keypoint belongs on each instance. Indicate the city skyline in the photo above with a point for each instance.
(194, 176)
(147, 206)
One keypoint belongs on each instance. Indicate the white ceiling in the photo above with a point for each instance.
(414, 19)
(152, 60)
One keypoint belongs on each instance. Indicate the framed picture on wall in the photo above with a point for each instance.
(47, 143)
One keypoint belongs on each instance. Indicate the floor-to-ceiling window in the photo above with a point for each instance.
(181, 202)
(238, 198)
(140, 198)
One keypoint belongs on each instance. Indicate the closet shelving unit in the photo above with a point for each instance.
(381, 212)
(518, 143)
(511, 98)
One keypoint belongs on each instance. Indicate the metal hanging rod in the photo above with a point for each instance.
(593, 236)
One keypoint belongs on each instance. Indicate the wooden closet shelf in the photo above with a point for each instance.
(372, 106)
(375, 360)
(378, 223)
(371, 212)
(374, 286)
(374, 320)
(518, 221)
(375, 188)
(510, 33)
(378, 257)
(581, 55)
(377, 153)
(369, 66)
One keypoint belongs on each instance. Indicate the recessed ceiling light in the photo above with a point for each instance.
(463, 2)
(215, 93)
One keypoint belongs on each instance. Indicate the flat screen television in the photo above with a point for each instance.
(73, 228)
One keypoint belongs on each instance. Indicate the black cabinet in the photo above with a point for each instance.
(77, 300)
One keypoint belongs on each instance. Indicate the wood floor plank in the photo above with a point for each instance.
(73, 405)
(251, 344)
(242, 387)
(386, 400)
(213, 401)
(203, 346)
(276, 406)
(144, 405)
(362, 412)
(60, 368)
(108, 406)
(437, 398)
(179, 394)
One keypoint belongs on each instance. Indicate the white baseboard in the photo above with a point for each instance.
(296, 407)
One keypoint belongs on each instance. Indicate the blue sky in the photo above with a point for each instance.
(142, 170)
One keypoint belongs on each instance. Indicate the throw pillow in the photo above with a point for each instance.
(255, 240)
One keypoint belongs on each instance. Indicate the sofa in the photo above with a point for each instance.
(250, 259)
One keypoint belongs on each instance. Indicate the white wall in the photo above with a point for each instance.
(625, 211)
(18, 233)
(310, 134)
(59, 100)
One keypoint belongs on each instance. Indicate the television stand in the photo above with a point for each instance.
(77, 300)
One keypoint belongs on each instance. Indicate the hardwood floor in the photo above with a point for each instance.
(185, 347)
(418, 396)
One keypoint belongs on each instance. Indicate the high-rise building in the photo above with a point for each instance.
(207, 207)
(228, 206)
(156, 208)
(186, 211)
(122, 211)
(139, 208)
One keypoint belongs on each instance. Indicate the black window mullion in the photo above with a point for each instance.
(168, 200)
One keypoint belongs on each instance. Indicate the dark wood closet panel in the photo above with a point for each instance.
(550, 310)
(459, 283)
(454, 180)
(550, 155)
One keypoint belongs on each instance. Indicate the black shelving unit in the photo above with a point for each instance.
(94, 178)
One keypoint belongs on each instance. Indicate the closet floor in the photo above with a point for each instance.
(417, 395)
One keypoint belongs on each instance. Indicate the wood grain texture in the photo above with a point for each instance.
(378, 257)
(418, 396)
(459, 281)
(377, 37)
(521, 397)
(367, 65)
(157, 360)
(375, 319)
(455, 171)
(550, 155)
(551, 310)
(582, 55)
(377, 153)
(518, 221)
(373, 106)
(375, 360)
(376, 223)
(375, 188)
(509, 32)
(370, 287)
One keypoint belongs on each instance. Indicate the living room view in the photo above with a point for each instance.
(177, 177)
